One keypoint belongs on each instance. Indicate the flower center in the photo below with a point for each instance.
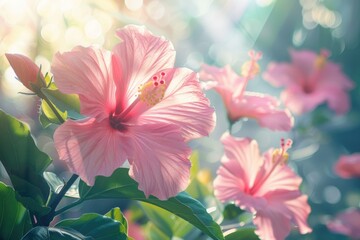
(148, 95)
(153, 91)
(319, 64)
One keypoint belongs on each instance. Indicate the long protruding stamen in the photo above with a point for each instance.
(280, 156)
(319, 65)
(249, 70)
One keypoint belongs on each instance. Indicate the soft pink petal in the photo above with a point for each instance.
(284, 207)
(140, 55)
(304, 60)
(348, 166)
(185, 105)
(245, 153)
(338, 99)
(332, 75)
(264, 109)
(283, 75)
(159, 159)
(271, 224)
(281, 177)
(300, 102)
(25, 69)
(225, 77)
(347, 223)
(87, 72)
(89, 148)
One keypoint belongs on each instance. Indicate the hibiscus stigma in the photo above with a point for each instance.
(280, 155)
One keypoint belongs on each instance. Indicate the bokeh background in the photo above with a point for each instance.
(217, 32)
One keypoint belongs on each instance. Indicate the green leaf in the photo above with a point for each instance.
(24, 163)
(47, 233)
(231, 211)
(47, 116)
(14, 218)
(242, 234)
(120, 185)
(56, 185)
(117, 215)
(168, 223)
(69, 103)
(153, 232)
(96, 226)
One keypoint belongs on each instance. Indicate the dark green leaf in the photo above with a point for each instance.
(14, 218)
(56, 185)
(242, 234)
(24, 163)
(69, 103)
(120, 185)
(50, 233)
(96, 226)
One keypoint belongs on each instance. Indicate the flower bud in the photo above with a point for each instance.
(27, 71)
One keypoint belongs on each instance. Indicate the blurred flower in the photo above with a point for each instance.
(309, 81)
(240, 103)
(263, 185)
(348, 166)
(134, 230)
(347, 223)
(139, 108)
(27, 71)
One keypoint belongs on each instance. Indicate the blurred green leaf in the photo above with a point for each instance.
(47, 233)
(24, 163)
(56, 185)
(97, 226)
(153, 232)
(231, 211)
(120, 185)
(242, 234)
(69, 103)
(14, 218)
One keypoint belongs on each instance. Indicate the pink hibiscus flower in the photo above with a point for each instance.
(263, 185)
(348, 166)
(347, 223)
(138, 107)
(240, 103)
(309, 81)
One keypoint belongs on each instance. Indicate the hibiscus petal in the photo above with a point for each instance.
(243, 153)
(140, 55)
(271, 224)
(264, 109)
(292, 204)
(304, 60)
(281, 178)
(185, 105)
(89, 148)
(229, 186)
(87, 72)
(159, 159)
(283, 74)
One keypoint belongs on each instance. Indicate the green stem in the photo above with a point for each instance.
(53, 204)
(71, 205)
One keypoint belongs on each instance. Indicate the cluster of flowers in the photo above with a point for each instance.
(139, 108)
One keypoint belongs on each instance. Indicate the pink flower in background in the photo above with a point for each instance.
(135, 231)
(348, 166)
(240, 103)
(347, 223)
(309, 81)
(26, 71)
(263, 185)
(138, 107)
